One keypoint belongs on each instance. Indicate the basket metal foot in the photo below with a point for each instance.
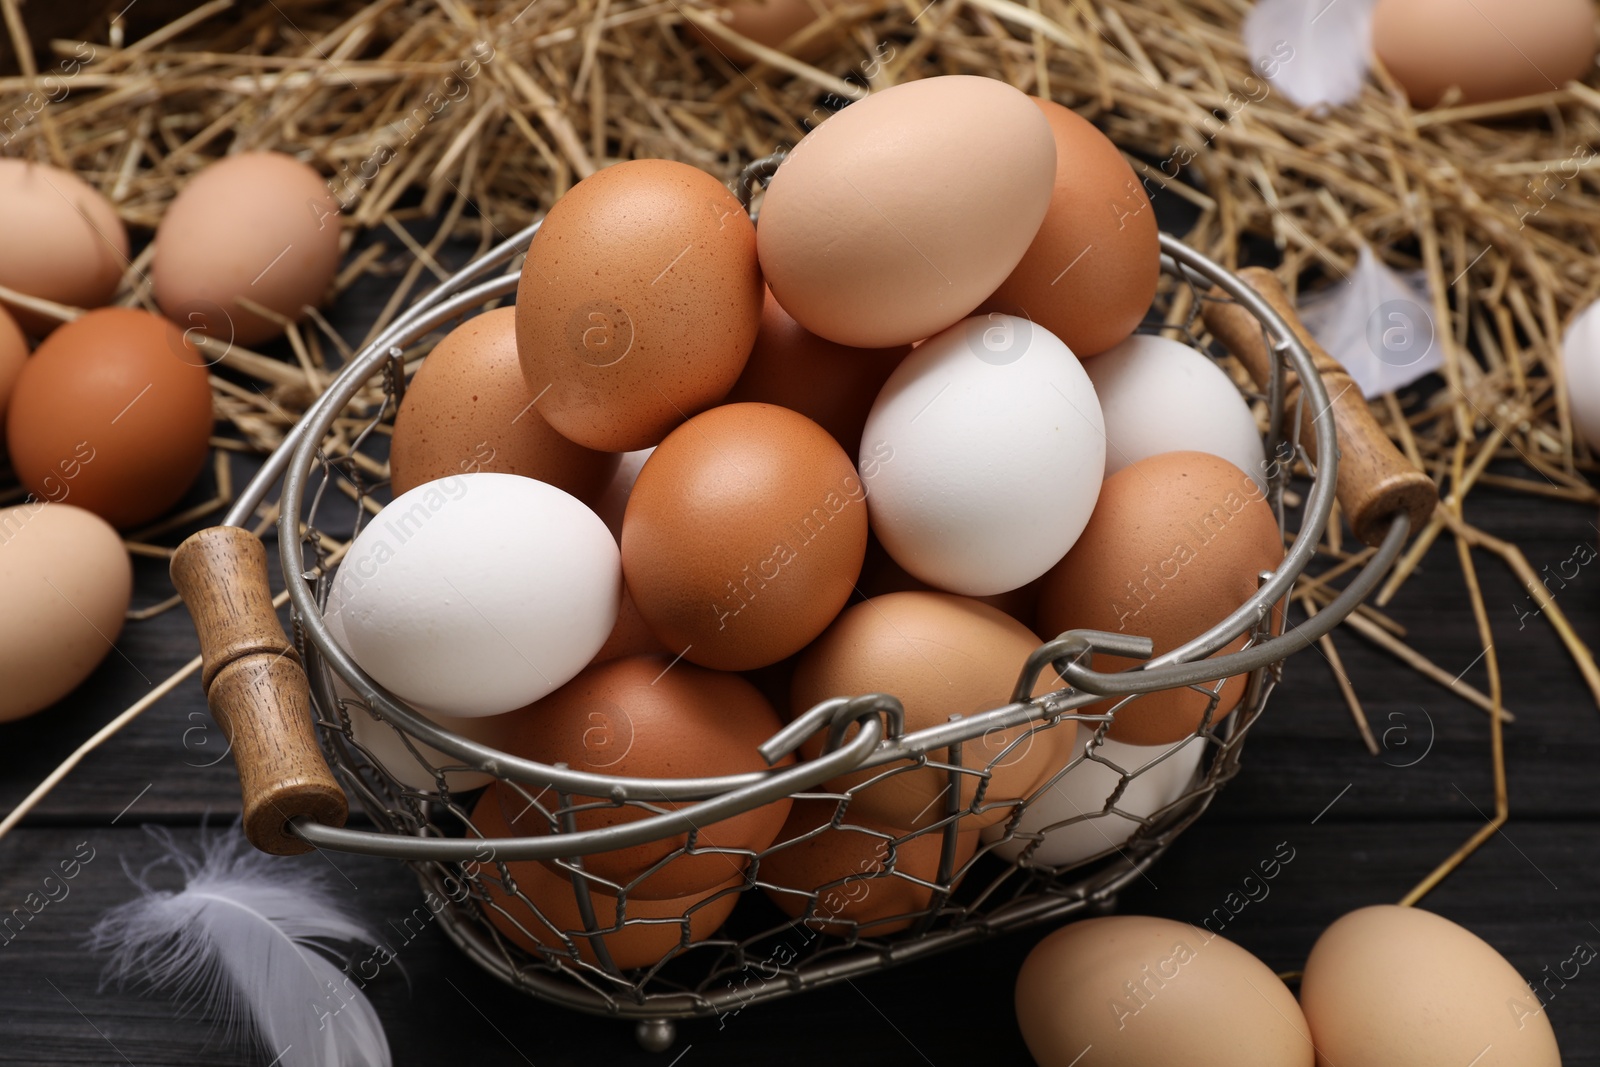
(655, 1035)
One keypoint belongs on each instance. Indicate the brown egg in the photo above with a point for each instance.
(629, 943)
(941, 655)
(880, 574)
(468, 409)
(631, 636)
(1091, 272)
(65, 582)
(1493, 50)
(257, 226)
(768, 22)
(13, 353)
(63, 240)
(1134, 991)
(744, 535)
(648, 717)
(834, 385)
(639, 299)
(842, 869)
(113, 412)
(1175, 544)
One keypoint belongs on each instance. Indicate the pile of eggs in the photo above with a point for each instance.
(706, 474)
(107, 424)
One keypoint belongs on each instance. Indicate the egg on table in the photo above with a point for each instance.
(65, 581)
(64, 241)
(112, 413)
(1133, 991)
(255, 228)
(1387, 986)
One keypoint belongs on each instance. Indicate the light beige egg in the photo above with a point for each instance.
(254, 228)
(63, 241)
(1136, 991)
(1387, 986)
(65, 581)
(897, 216)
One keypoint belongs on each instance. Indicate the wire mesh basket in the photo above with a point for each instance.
(562, 933)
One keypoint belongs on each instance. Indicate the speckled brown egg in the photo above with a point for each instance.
(648, 717)
(639, 300)
(841, 880)
(1091, 272)
(941, 655)
(63, 240)
(259, 227)
(468, 409)
(1175, 544)
(112, 413)
(13, 353)
(834, 385)
(744, 535)
(633, 944)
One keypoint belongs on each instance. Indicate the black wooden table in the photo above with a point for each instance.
(1363, 829)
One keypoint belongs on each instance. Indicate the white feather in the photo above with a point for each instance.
(1312, 51)
(240, 942)
(1377, 323)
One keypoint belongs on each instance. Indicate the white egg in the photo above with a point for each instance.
(1580, 362)
(479, 593)
(404, 758)
(1160, 395)
(983, 456)
(1161, 774)
(614, 500)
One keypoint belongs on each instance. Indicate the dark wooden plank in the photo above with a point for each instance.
(956, 1009)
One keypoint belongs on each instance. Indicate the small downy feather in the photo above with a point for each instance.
(1377, 323)
(240, 942)
(1315, 52)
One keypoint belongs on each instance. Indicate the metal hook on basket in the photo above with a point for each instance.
(1067, 653)
(838, 714)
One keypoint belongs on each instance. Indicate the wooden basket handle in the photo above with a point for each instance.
(256, 688)
(1375, 480)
